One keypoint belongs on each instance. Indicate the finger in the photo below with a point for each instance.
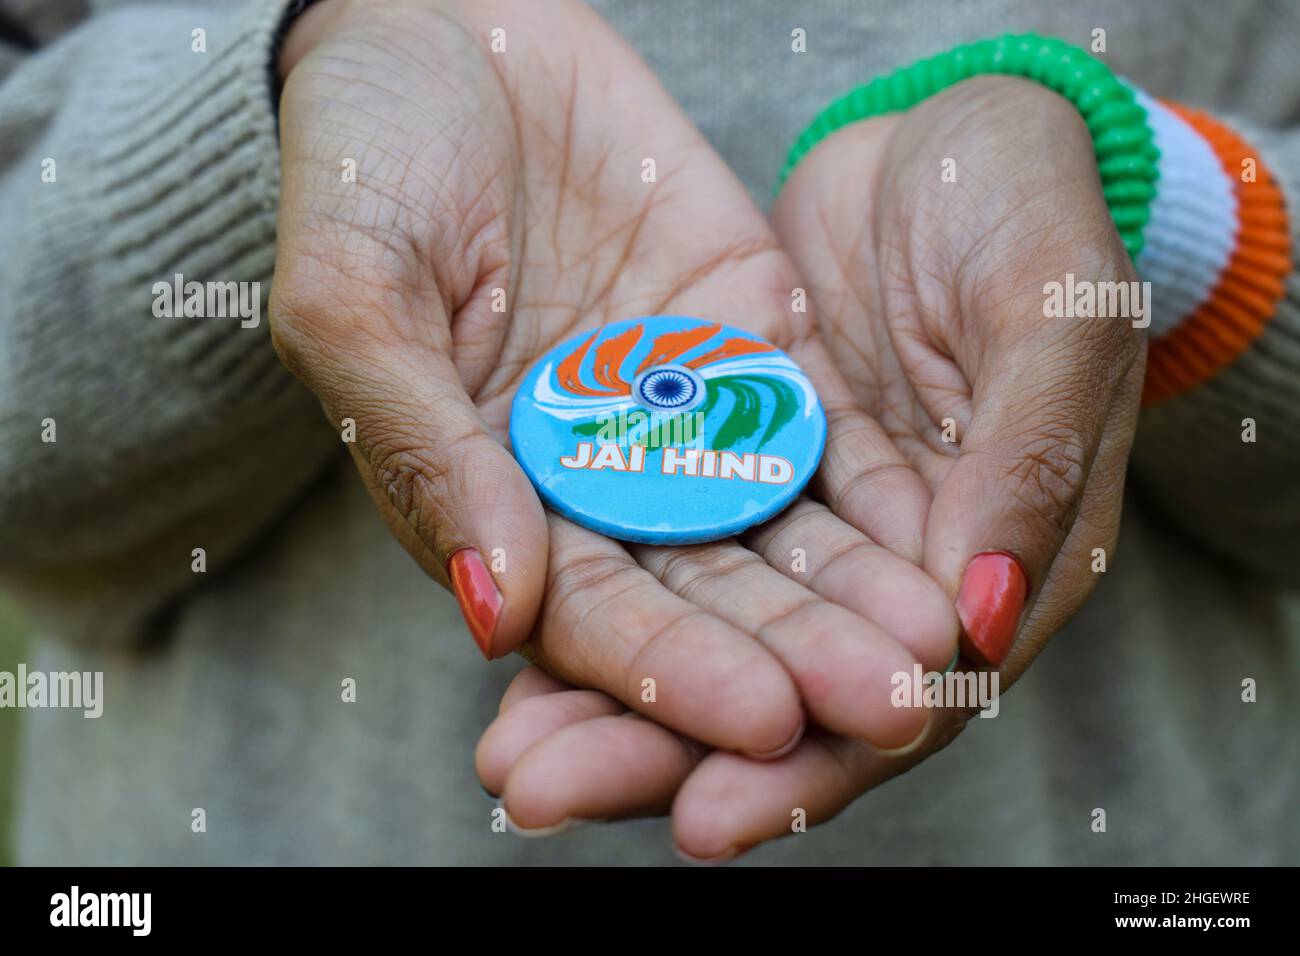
(814, 548)
(863, 476)
(731, 804)
(600, 769)
(530, 682)
(842, 664)
(1074, 573)
(1002, 512)
(448, 489)
(608, 624)
(528, 721)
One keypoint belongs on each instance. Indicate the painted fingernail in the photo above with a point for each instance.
(476, 592)
(990, 601)
(725, 857)
(786, 747)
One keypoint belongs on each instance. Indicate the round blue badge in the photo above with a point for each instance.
(667, 430)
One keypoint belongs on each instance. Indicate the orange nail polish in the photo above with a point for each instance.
(992, 596)
(476, 592)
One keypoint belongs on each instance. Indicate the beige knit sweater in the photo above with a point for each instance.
(222, 689)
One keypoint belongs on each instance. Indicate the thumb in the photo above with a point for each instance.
(1006, 506)
(446, 486)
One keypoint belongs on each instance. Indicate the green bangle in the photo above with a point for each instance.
(1121, 136)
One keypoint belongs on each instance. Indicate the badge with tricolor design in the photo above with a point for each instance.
(667, 430)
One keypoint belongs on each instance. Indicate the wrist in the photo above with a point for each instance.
(1122, 139)
(1201, 217)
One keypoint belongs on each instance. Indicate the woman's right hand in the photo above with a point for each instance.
(515, 176)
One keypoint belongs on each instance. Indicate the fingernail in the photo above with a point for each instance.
(532, 833)
(786, 747)
(724, 857)
(476, 592)
(990, 601)
(922, 736)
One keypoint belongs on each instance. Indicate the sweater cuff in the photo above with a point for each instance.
(1216, 249)
(186, 181)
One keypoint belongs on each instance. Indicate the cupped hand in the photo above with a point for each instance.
(932, 243)
(930, 293)
(466, 185)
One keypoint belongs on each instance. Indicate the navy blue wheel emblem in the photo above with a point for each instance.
(668, 388)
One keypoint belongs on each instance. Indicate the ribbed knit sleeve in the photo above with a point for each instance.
(134, 151)
(1218, 446)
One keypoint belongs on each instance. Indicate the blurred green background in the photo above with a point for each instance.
(11, 652)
